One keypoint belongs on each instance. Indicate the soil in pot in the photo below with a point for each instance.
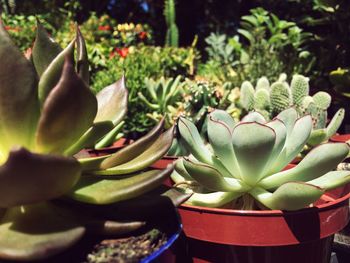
(132, 249)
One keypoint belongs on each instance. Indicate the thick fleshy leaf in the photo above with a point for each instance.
(295, 142)
(289, 117)
(28, 177)
(133, 150)
(224, 117)
(155, 151)
(253, 143)
(180, 168)
(96, 190)
(96, 132)
(220, 138)
(53, 72)
(177, 196)
(317, 136)
(82, 58)
(254, 117)
(316, 163)
(36, 232)
(193, 141)
(335, 123)
(67, 113)
(211, 178)
(215, 199)
(108, 227)
(19, 107)
(109, 138)
(289, 196)
(112, 102)
(92, 163)
(332, 180)
(281, 136)
(45, 49)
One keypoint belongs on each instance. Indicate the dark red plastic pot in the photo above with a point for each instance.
(340, 138)
(164, 162)
(269, 236)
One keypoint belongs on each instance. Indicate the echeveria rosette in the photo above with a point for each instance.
(246, 159)
(47, 114)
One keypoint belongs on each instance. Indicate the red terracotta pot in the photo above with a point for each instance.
(340, 138)
(269, 236)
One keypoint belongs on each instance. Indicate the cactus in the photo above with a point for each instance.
(172, 34)
(271, 100)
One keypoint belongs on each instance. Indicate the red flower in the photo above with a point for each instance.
(123, 52)
(104, 28)
(142, 35)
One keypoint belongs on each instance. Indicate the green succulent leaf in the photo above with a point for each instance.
(289, 196)
(109, 138)
(331, 180)
(45, 49)
(289, 117)
(96, 190)
(180, 168)
(317, 136)
(224, 117)
(295, 142)
(82, 58)
(67, 113)
(253, 140)
(112, 102)
(36, 232)
(316, 163)
(41, 177)
(211, 178)
(153, 153)
(51, 76)
(131, 151)
(88, 139)
(220, 135)
(335, 123)
(254, 116)
(19, 107)
(193, 141)
(92, 163)
(215, 199)
(108, 227)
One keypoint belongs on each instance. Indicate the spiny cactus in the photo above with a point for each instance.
(271, 100)
(172, 34)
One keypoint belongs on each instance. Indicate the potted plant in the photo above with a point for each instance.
(245, 207)
(50, 199)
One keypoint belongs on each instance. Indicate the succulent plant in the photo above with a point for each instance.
(48, 113)
(163, 93)
(271, 100)
(244, 162)
(340, 78)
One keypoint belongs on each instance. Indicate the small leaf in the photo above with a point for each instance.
(41, 177)
(224, 117)
(133, 150)
(37, 232)
(53, 72)
(109, 138)
(211, 178)
(45, 49)
(155, 151)
(96, 190)
(254, 117)
(67, 113)
(112, 102)
(289, 196)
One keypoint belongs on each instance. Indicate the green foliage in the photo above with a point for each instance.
(141, 63)
(242, 166)
(265, 45)
(172, 34)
